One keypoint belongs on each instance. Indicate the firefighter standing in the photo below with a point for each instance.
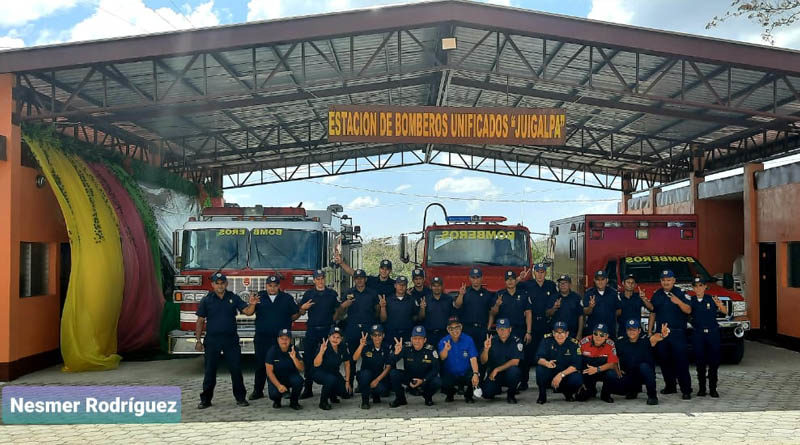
(473, 304)
(216, 312)
(361, 306)
(399, 311)
(419, 290)
(631, 302)
(382, 284)
(566, 306)
(600, 304)
(705, 336)
(322, 304)
(275, 311)
(671, 308)
(436, 312)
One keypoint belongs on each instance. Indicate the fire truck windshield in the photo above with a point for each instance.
(285, 249)
(210, 248)
(490, 247)
(647, 269)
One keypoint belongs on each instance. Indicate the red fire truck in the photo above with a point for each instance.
(643, 245)
(450, 250)
(250, 243)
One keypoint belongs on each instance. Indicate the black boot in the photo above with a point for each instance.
(307, 392)
(294, 404)
(712, 383)
(542, 398)
(701, 381)
(398, 402)
(365, 402)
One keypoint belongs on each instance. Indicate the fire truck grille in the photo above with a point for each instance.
(237, 286)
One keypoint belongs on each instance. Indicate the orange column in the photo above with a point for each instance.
(750, 210)
(651, 198)
(694, 201)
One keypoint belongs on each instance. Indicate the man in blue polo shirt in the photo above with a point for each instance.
(460, 357)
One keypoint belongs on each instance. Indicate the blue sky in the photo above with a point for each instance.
(385, 202)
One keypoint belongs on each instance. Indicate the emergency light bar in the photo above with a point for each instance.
(475, 218)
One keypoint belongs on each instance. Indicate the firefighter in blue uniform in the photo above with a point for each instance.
(566, 306)
(420, 368)
(436, 312)
(636, 361)
(513, 303)
(473, 306)
(216, 312)
(419, 291)
(600, 304)
(283, 367)
(671, 308)
(502, 354)
(329, 357)
(398, 311)
(631, 301)
(705, 336)
(275, 312)
(558, 364)
(540, 293)
(460, 356)
(360, 303)
(322, 304)
(373, 377)
(382, 284)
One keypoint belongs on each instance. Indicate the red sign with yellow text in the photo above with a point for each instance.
(446, 125)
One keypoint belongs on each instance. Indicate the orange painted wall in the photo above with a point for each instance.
(28, 326)
(778, 224)
(721, 233)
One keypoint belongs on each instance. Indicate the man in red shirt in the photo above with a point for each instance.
(601, 362)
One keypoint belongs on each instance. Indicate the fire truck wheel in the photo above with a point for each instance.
(735, 353)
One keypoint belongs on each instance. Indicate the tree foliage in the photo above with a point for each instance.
(769, 14)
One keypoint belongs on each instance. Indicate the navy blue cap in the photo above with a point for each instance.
(218, 276)
(386, 263)
(559, 325)
(510, 274)
(630, 276)
(285, 333)
(418, 331)
(539, 266)
(401, 279)
(273, 279)
(335, 330)
(376, 328)
(360, 273)
(632, 324)
(667, 273)
(453, 320)
(600, 274)
(319, 273)
(503, 323)
(601, 327)
(475, 273)
(418, 272)
(698, 279)
(565, 278)
(437, 280)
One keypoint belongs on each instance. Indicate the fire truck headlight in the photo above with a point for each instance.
(302, 280)
(180, 280)
(739, 308)
(194, 280)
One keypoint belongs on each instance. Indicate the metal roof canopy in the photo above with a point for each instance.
(249, 102)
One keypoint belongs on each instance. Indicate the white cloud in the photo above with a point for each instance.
(467, 184)
(113, 18)
(330, 179)
(19, 13)
(499, 2)
(616, 11)
(7, 42)
(402, 187)
(264, 10)
(363, 202)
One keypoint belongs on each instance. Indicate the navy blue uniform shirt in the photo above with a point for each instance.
(631, 309)
(704, 313)
(332, 359)
(503, 351)
(631, 354)
(605, 308)
(475, 307)
(271, 316)
(540, 299)
(375, 359)
(667, 311)
(400, 313)
(362, 311)
(457, 361)
(282, 364)
(321, 312)
(569, 312)
(513, 308)
(438, 311)
(220, 313)
(422, 364)
(418, 294)
(381, 287)
(565, 355)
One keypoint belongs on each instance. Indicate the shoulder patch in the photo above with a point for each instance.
(610, 342)
(585, 340)
(435, 354)
(548, 335)
(519, 347)
(428, 346)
